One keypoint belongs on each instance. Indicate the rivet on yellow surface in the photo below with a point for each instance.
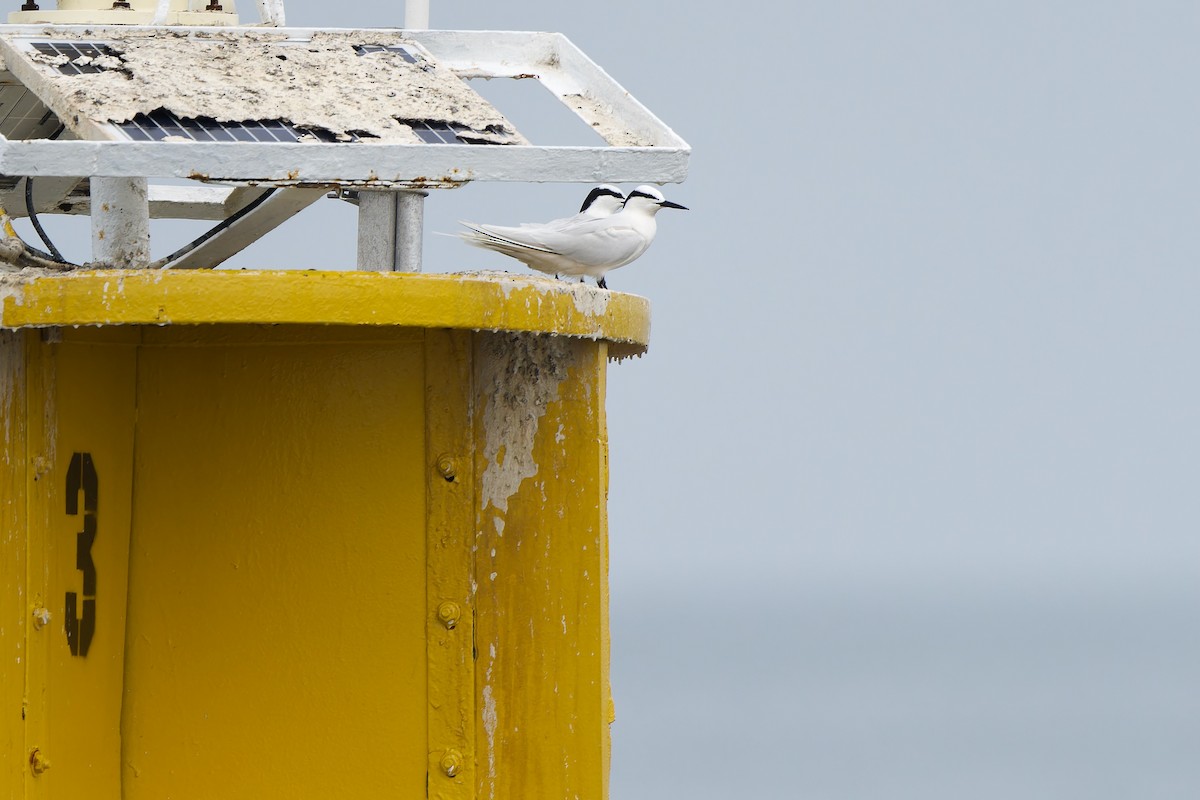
(451, 763)
(446, 468)
(38, 762)
(448, 613)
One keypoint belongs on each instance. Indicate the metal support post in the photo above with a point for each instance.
(376, 231)
(120, 222)
(416, 15)
(390, 229)
(410, 227)
(272, 13)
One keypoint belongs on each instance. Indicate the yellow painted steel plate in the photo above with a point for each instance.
(472, 301)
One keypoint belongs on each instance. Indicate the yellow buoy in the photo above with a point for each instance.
(305, 534)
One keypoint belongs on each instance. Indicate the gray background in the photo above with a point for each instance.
(904, 495)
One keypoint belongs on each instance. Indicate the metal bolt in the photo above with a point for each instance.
(447, 467)
(41, 618)
(38, 762)
(448, 613)
(451, 763)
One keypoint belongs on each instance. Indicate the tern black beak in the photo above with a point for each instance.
(669, 204)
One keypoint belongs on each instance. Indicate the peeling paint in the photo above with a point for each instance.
(489, 723)
(589, 299)
(13, 282)
(520, 376)
(10, 288)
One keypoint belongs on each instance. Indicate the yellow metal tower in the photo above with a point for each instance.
(305, 534)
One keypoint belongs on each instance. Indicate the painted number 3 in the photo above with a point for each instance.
(81, 627)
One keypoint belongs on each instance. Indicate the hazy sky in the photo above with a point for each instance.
(925, 341)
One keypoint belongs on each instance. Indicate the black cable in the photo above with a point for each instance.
(54, 253)
(220, 226)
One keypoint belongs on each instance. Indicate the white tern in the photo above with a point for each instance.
(585, 244)
(603, 201)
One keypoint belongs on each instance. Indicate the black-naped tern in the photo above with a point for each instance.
(603, 201)
(581, 245)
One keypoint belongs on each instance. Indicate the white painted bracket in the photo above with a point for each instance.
(166, 202)
(380, 166)
(277, 209)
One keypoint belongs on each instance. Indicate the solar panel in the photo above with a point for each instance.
(159, 124)
(79, 55)
(405, 53)
(435, 132)
(23, 115)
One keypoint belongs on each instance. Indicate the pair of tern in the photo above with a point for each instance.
(609, 231)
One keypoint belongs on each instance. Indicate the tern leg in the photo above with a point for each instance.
(602, 284)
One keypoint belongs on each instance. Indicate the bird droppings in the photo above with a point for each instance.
(519, 375)
(588, 299)
(489, 721)
(602, 119)
(321, 84)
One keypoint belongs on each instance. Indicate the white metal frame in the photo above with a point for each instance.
(641, 149)
(550, 58)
